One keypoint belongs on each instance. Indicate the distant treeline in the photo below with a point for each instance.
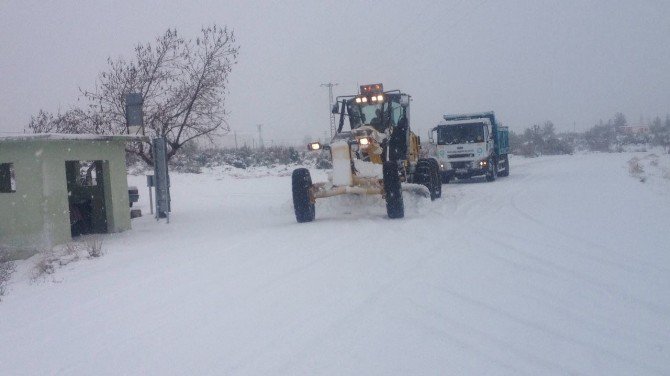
(611, 136)
(192, 158)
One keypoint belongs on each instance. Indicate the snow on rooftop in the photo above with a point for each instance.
(70, 137)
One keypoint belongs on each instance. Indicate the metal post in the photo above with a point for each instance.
(151, 201)
(151, 184)
(161, 179)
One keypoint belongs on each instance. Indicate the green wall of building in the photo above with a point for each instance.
(37, 215)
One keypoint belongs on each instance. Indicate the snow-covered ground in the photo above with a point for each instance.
(561, 268)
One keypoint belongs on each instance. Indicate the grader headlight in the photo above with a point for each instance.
(314, 146)
(364, 142)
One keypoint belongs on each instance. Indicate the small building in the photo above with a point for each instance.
(634, 129)
(54, 187)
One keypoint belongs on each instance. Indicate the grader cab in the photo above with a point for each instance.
(378, 154)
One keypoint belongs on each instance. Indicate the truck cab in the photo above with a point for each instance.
(468, 145)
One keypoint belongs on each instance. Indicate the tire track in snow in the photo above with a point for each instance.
(552, 332)
(467, 330)
(569, 275)
(372, 298)
(522, 189)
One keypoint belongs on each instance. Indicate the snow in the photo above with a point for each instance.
(561, 268)
(71, 136)
(341, 155)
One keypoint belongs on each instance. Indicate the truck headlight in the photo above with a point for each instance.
(483, 163)
(364, 141)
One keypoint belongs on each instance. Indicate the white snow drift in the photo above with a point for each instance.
(561, 268)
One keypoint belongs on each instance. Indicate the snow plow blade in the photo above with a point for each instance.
(418, 189)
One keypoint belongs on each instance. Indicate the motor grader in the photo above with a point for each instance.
(379, 154)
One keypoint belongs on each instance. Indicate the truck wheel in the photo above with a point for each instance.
(505, 160)
(302, 203)
(492, 174)
(436, 178)
(395, 207)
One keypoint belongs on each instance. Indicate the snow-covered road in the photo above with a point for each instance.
(561, 268)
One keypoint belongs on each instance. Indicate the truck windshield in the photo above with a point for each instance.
(460, 134)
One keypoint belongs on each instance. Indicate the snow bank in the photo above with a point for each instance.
(561, 268)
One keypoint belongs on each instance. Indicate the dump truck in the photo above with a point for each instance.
(378, 154)
(468, 145)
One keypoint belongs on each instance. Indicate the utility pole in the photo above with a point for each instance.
(260, 135)
(330, 106)
(235, 133)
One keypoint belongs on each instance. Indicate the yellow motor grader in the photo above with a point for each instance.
(379, 154)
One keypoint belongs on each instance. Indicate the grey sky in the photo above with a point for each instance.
(530, 61)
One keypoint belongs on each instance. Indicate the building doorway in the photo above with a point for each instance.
(86, 197)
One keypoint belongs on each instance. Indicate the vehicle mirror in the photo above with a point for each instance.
(335, 109)
(404, 100)
(430, 137)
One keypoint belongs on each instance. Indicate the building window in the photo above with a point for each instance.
(7, 178)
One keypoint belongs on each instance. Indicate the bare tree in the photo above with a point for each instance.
(68, 122)
(183, 84)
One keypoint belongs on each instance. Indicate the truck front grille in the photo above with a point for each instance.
(460, 165)
(461, 155)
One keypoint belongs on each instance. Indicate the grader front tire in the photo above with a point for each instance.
(302, 203)
(395, 208)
